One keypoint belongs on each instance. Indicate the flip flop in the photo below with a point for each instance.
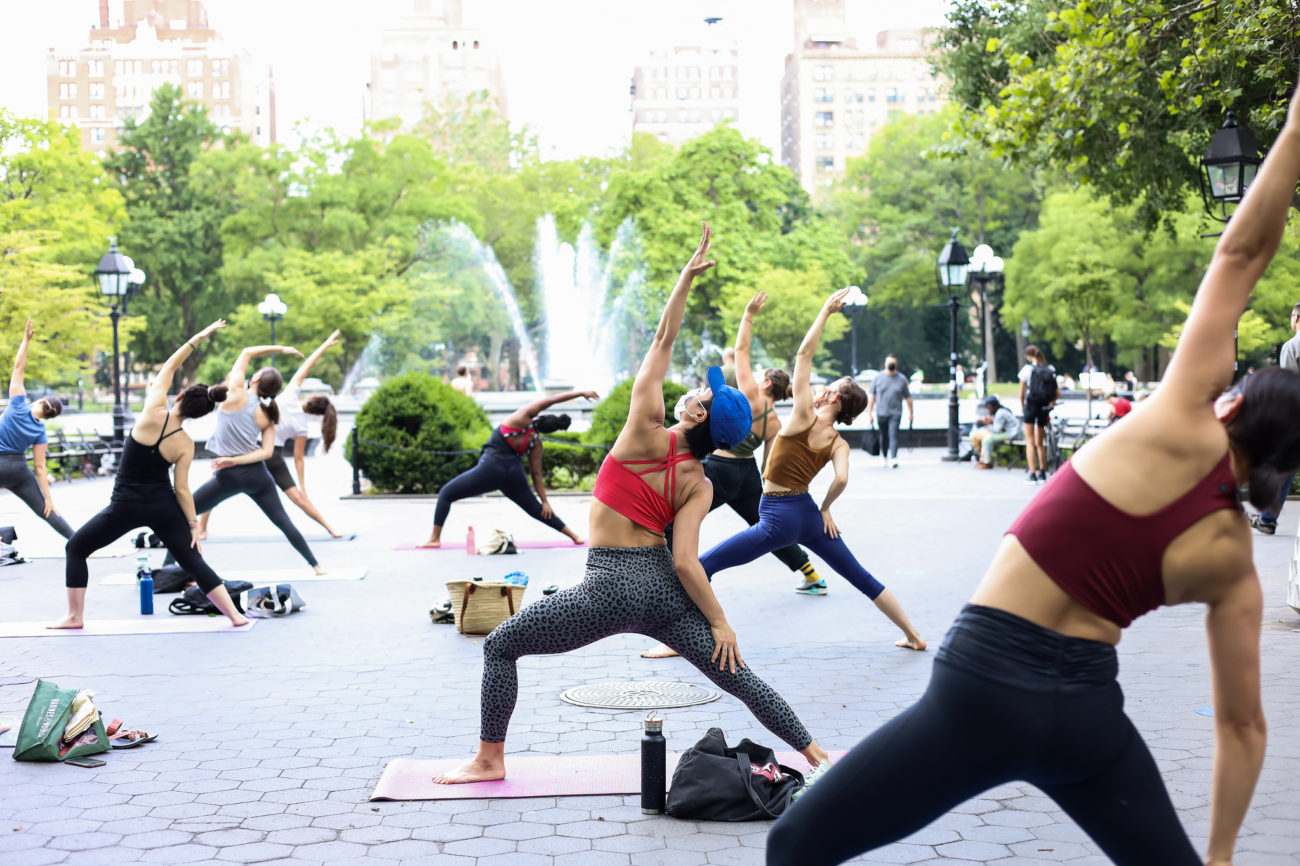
(133, 738)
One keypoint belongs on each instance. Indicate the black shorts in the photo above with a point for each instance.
(280, 470)
(1037, 413)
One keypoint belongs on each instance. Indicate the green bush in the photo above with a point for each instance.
(611, 413)
(570, 467)
(418, 414)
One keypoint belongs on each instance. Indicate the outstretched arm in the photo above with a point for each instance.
(296, 380)
(1202, 365)
(521, 418)
(744, 367)
(239, 372)
(20, 362)
(803, 399)
(647, 404)
(157, 394)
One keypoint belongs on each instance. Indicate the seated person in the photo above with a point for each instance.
(1119, 407)
(996, 424)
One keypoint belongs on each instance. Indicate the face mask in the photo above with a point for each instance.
(679, 411)
(891, 366)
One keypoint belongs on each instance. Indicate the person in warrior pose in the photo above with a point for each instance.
(292, 428)
(499, 467)
(634, 583)
(23, 426)
(1024, 687)
(143, 494)
(734, 472)
(787, 513)
(244, 439)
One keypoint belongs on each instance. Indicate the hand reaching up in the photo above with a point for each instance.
(835, 302)
(756, 303)
(700, 262)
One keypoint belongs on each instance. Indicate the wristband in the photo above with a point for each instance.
(193, 348)
(194, 524)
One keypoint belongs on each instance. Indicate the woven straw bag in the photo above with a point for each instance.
(480, 607)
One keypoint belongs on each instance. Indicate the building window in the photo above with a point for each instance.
(681, 93)
(695, 117)
(727, 92)
(823, 73)
(871, 94)
(97, 90)
(893, 95)
(96, 112)
(695, 93)
(221, 90)
(717, 116)
(824, 118)
(823, 94)
(221, 67)
(860, 118)
(825, 163)
(194, 67)
(97, 134)
(662, 117)
(194, 90)
(825, 141)
(97, 68)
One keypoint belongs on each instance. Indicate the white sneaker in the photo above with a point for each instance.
(811, 777)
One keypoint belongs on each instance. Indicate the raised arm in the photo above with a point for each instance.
(521, 418)
(300, 374)
(157, 394)
(647, 404)
(744, 367)
(1201, 367)
(803, 398)
(20, 361)
(238, 374)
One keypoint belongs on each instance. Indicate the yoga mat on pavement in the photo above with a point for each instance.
(522, 545)
(46, 553)
(262, 539)
(163, 623)
(258, 577)
(531, 776)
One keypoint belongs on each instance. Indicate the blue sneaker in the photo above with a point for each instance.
(816, 587)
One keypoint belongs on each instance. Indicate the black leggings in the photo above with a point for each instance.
(15, 475)
(737, 482)
(503, 473)
(161, 513)
(1008, 701)
(253, 480)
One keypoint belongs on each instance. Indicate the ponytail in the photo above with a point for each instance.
(329, 425)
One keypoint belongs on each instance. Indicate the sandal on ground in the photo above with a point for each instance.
(120, 739)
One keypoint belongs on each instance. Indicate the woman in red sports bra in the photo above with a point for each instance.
(1024, 687)
(633, 583)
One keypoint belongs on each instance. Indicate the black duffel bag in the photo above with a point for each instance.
(194, 601)
(714, 782)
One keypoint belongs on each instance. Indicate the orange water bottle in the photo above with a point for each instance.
(469, 542)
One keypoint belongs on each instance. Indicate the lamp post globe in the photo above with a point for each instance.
(854, 304)
(952, 269)
(273, 310)
(985, 267)
(113, 275)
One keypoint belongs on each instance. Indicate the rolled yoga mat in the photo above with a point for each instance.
(257, 577)
(521, 545)
(532, 776)
(163, 623)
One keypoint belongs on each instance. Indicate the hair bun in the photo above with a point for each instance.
(789, 391)
(217, 393)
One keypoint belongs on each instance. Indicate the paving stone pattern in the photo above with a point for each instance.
(270, 742)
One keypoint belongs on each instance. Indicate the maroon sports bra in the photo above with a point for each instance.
(1104, 558)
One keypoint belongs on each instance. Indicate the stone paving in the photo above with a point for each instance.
(270, 742)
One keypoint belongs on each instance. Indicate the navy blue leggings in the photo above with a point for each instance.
(1008, 701)
(505, 474)
(786, 520)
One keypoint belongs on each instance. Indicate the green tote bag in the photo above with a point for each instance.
(40, 737)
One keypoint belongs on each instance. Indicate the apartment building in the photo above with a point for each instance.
(681, 91)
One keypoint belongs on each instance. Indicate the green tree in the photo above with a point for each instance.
(1122, 94)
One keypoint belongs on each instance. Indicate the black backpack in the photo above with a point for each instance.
(194, 602)
(1042, 383)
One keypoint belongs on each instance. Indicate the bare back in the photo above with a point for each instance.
(149, 426)
(611, 529)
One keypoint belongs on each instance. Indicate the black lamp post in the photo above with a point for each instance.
(273, 310)
(854, 304)
(952, 267)
(1229, 166)
(113, 275)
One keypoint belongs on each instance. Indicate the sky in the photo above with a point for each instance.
(567, 63)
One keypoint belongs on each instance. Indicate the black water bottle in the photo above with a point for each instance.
(654, 767)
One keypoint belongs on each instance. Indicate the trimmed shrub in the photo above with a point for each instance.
(570, 467)
(418, 414)
(611, 413)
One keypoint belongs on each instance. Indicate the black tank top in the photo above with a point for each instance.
(498, 446)
(143, 469)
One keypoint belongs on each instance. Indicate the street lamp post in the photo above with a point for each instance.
(952, 267)
(985, 267)
(273, 310)
(854, 304)
(113, 275)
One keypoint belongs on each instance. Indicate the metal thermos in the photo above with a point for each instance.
(144, 577)
(654, 767)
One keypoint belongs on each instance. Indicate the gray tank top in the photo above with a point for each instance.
(237, 432)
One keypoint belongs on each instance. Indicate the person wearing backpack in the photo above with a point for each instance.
(1038, 394)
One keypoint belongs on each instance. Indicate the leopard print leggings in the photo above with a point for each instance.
(625, 590)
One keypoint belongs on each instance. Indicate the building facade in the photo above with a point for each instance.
(429, 56)
(139, 45)
(835, 94)
(685, 90)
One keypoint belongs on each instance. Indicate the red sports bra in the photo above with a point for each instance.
(529, 440)
(1107, 559)
(625, 491)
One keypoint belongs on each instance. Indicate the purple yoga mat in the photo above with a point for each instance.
(522, 545)
(164, 623)
(531, 776)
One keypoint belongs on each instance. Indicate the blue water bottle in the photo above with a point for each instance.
(144, 577)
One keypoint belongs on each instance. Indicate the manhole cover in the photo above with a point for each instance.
(646, 695)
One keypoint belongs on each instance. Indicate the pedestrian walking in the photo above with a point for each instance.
(885, 403)
(1038, 393)
(1265, 521)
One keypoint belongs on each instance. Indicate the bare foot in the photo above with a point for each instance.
(68, 621)
(430, 543)
(914, 643)
(659, 651)
(579, 541)
(477, 770)
(334, 534)
(319, 569)
(238, 621)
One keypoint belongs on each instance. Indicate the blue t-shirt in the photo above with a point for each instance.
(19, 428)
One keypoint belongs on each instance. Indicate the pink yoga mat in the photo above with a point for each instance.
(522, 545)
(164, 623)
(531, 776)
